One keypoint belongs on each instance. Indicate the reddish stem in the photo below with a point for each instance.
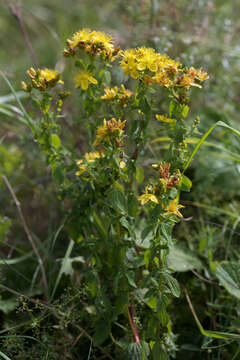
(131, 316)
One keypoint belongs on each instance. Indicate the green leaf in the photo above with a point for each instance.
(158, 353)
(228, 273)
(186, 183)
(152, 303)
(8, 305)
(163, 316)
(124, 222)
(101, 333)
(133, 205)
(139, 175)
(55, 141)
(57, 172)
(166, 230)
(121, 303)
(130, 278)
(171, 108)
(172, 284)
(117, 200)
(107, 76)
(181, 259)
(185, 111)
(147, 256)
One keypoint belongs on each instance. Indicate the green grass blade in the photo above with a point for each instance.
(209, 333)
(208, 132)
(16, 260)
(4, 356)
(27, 117)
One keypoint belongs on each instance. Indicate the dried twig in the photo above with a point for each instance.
(29, 236)
(16, 12)
(203, 278)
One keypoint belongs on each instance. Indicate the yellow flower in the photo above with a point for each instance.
(146, 59)
(83, 79)
(93, 42)
(122, 164)
(173, 208)
(201, 75)
(198, 74)
(48, 75)
(163, 118)
(110, 93)
(42, 79)
(82, 168)
(162, 79)
(129, 63)
(92, 156)
(148, 196)
(80, 37)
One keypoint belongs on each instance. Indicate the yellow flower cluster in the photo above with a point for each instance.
(92, 42)
(110, 130)
(83, 79)
(120, 94)
(41, 79)
(151, 67)
(89, 159)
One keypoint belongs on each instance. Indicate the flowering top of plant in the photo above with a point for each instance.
(110, 132)
(41, 79)
(151, 67)
(92, 42)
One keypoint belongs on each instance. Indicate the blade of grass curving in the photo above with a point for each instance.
(11, 112)
(16, 260)
(201, 141)
(28, 119)
(56, 235)
(4, 356)
(209, 333)
(61, 271)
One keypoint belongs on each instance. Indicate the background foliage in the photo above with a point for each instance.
(203, 33)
